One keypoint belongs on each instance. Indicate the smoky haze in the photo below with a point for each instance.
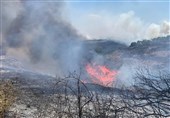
(38, 34)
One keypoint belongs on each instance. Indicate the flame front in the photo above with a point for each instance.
(101, 74)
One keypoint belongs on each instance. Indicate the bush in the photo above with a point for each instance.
(98, 50)
(7, 96)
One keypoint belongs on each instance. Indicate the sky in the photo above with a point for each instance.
(125, 21)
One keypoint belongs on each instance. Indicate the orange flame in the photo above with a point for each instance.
(101, 74)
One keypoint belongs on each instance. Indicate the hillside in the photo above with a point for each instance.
(37, 90)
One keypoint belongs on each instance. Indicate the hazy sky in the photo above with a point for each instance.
(125, 21)
(121, 20)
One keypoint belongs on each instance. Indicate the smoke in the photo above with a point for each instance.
(156, 30)
(125, 27)
(38, 34)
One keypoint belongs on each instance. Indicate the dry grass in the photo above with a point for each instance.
(7, 96)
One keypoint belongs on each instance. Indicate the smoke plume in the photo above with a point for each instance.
(38, 34)
(125, 27)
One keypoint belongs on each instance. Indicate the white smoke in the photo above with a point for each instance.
(158, 30)
(126, 27)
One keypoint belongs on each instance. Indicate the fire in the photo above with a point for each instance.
(101, 74)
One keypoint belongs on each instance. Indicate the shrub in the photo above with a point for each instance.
(7, 96)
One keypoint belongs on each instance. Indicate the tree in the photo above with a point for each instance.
(83, 95)
(151, 94)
